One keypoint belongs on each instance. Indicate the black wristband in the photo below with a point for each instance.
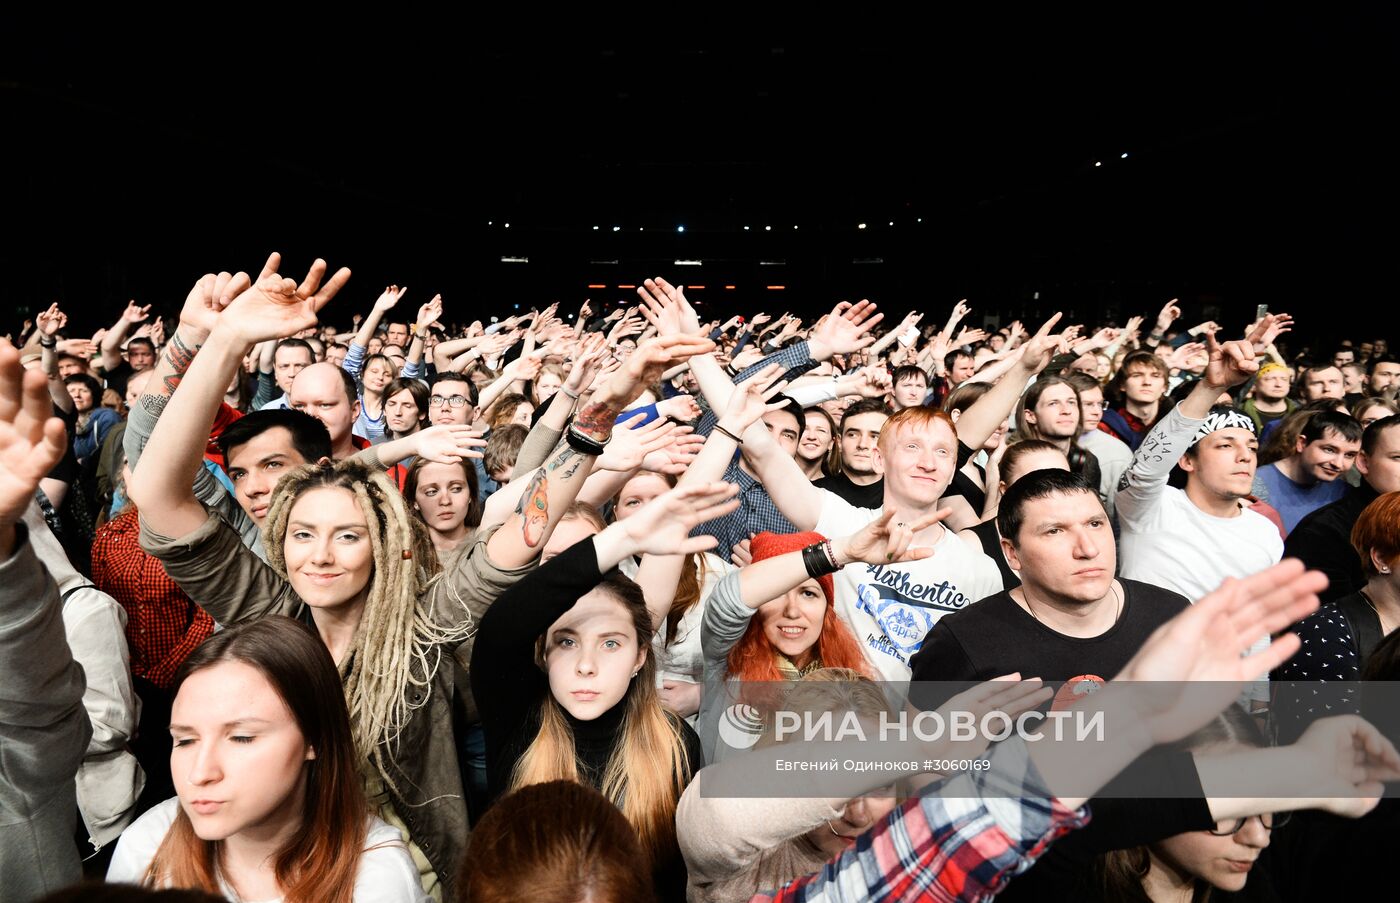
(737, 440)
(815, 560)
(50, 344)
(583, 444)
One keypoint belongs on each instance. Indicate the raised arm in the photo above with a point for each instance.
(427, 315)
(273, 306)
(44, 728)
(382, 305)
(659, 575)
(112, 341)
(978, 422)
(48, 324)
(554, 486)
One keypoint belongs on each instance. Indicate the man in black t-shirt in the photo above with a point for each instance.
(1070, 622)
(860, 481)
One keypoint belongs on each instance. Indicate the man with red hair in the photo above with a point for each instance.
(891, 607)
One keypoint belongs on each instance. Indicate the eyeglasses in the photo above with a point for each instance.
(455, 401)
(1269, 820)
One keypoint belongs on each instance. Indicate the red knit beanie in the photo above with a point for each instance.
(770, 545)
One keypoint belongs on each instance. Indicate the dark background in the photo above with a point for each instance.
(1260, 168)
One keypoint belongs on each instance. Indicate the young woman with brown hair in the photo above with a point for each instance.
(269, 801)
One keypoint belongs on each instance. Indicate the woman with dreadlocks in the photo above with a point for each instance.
(347, 556)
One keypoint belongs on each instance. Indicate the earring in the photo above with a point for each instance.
(1385, 570)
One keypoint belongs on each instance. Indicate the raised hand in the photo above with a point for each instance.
(679, 407)
(1040, 348)
(1195, 664)
(969, 336)
(654, 357)
(1230, 365)
(884, 541)
(134, 312)
(759, 319)
(1165, 317)
(662, 526)
(628, 447)
(32, 442)
(664, 307)
(1347, 762)
(158, 332)
(51, 320)
(275, 306)
(388, 298)
(678, 455)
(428, 313)
(1182, 355)
(587, 360)
(868, 382)
(846, 329)
(750, 399)
(448, 443)
(1263, 333)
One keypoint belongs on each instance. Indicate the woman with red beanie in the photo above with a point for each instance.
(773, 620)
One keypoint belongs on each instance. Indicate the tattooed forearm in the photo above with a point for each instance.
(596, 421)
(174, 361)
(534, 509)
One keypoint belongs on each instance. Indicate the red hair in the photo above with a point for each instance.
(915, 418)
(753, 658)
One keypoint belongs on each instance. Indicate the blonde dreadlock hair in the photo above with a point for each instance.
(397, 645)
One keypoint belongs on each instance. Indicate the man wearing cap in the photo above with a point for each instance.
(1268, 401)
(1191, 539)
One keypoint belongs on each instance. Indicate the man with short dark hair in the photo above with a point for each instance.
(453, 399)
(397, 334)
(960, 367)
(1381, 374)
(910, 387)
(1310, 477)
(1322, 381)
(860, 481)
(1070, 619)
(289, 357)
(1322, 539)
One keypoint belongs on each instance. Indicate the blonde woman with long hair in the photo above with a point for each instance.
(565, 680)
(346, 555)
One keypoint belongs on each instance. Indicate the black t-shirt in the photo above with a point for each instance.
(116, 377)
(996, 636)
(871, 496)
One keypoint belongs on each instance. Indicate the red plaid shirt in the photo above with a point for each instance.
(162, 625)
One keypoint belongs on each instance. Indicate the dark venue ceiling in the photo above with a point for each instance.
(1260, 164)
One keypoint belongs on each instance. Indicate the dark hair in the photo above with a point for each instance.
(474, 508)
(1082, 383)
(907, 371)
(793, 410)
(560, 840)
(864, 406)
(1372, 435)
(965, 396)
(1283, 441)
(295, 343)
(1018, 450)
(452, 376)
(1038, 484)
(84, 379)
(503, 448)
(1343, 425)
(1375, 362)
(142, 340)
(309, 436)
(951, 358)
(413, 387)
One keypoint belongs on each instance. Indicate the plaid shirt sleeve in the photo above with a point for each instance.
(796, 360)
(961, 840)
